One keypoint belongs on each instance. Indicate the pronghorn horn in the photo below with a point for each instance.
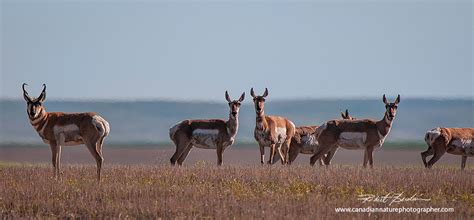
(25, 93)
(42, 97)
(347, 113)
(252, 93)
(24, 90)
(265, 94)
(227, 97)
(385, 100)
(242, 97)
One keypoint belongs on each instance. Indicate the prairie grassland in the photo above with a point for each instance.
(206, 191)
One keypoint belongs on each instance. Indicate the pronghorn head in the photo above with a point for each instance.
(345, 115)
(34, 106)
(391, 108)
(259, 101)
(234, 105)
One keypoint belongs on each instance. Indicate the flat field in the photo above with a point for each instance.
(240, 189)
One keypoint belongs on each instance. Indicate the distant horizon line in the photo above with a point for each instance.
(463, 98)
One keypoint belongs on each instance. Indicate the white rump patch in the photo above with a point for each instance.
(100, 122)
(280, 131)
(309, 140)
(431, 136)
(205, 138)
(280, 134)
(309, 144)
(352, 140)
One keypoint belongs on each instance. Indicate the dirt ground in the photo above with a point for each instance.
(233, 155)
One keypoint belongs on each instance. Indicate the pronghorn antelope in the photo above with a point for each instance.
(67, 129)
(207, 134)
(305, 142)
(271, 131)
(345, 115)
(364, 134)
(457, 141)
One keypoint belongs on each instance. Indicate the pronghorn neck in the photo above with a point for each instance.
(232, 124)
(39, 123)
(261, 122)
(384, 125)
(40, 118)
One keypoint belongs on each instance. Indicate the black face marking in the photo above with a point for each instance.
(33, 107)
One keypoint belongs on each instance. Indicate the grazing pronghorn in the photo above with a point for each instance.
(364, 134)
(271, 131)
(207, 134)
(457, 141)
(67, 129)
(305, 142)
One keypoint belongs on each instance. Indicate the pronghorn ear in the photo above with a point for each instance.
(398, 99)
(242, 97)
(385, 100)
(227, 97)
(342, 115)
(265, 94)
(252, 93)
(25, 93)
(42, 96)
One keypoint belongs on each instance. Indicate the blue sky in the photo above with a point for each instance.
(195, 50)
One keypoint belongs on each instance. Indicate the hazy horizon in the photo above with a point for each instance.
(247, 99)
(149, 122)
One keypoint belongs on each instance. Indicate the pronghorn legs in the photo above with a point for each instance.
(272, 153)
(184, 154)
(322, 150)
(60, 138)
(371, 158)
(262, 154)
(181, 146)
(94, 150)
(282, 154)
(368, 157)
(286, 149)
(365, 158)
(58, 161)
(220, 152)
(329, 156)
(425, 154)
(463, 162)
(54, 152)
(435, 158)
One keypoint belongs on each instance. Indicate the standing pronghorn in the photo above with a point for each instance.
(207, 134)
(305, 142)
(457, 141)
(364, 134)
(271, 131)
(67, 129)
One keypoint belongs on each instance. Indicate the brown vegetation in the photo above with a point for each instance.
(232, 191)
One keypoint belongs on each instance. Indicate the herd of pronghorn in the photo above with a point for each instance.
(278, 133)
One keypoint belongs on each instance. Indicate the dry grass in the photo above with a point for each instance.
(242, 192)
